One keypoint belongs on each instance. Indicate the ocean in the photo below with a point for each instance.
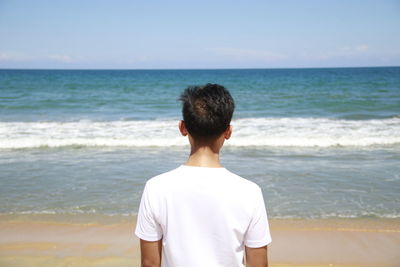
(321, 143)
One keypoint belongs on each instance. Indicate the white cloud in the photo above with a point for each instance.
(5, 56)
(62, 58)
(347, 52)
(247, 54)
(10, 56)
(362, 48)
(18, 57)
(13, 59)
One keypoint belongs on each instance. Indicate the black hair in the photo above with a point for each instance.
(207, 110)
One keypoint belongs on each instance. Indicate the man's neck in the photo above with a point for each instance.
(204, 156)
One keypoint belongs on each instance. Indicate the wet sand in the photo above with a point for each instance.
(49, 240)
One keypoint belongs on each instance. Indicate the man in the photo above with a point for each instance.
(200, 214)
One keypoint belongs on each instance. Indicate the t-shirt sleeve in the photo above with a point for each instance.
(258, 234)
(147, 227)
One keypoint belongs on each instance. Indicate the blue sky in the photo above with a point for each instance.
(198, 34)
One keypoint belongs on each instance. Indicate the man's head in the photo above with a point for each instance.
(207, 110)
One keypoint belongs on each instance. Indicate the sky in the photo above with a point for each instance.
(207, 34)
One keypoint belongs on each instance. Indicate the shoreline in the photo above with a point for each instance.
(97, 240)
(96, 218)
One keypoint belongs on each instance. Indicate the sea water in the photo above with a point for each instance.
(319, 142)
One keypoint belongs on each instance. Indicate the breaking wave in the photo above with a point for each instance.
(272, 132)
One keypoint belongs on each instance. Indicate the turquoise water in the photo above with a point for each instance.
(68, 95)
(320, 142)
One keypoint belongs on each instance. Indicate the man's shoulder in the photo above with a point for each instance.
(214, 175)
(243, 182)
(162, 177)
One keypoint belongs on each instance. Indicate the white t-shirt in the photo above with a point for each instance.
(204, 216)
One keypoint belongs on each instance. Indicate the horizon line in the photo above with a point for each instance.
(273, 68)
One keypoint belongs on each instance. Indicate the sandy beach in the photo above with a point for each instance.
(77, 147)
(49, 240)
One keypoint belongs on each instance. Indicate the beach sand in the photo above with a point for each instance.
(54, 240)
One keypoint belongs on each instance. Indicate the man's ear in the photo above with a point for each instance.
(182, 128)
(228, 132)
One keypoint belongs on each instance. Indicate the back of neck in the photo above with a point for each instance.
(204, 156)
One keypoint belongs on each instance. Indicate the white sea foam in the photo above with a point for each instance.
(276, 215)
(274, 132)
